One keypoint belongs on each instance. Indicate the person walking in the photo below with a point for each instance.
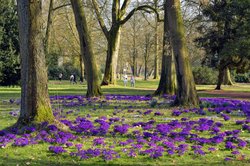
(71, 78)
(125, 80)
(132, 81)
(60, 77)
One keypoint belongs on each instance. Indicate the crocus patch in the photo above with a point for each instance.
(196, 131)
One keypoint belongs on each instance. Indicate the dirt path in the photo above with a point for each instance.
(229, 94)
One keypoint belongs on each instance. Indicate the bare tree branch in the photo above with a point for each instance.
(115, 10)
(100, 19)
(145, 8)
(124, 7)
(61, 6)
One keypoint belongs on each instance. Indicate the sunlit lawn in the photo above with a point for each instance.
(39, 155)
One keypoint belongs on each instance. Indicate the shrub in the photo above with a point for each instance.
(205, 75)
(67, 69)
(242, 78)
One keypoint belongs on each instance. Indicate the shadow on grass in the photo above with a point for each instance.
(73, 162)
(122, 91)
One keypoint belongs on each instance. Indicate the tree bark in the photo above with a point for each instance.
(81, 68)
(146, 54)
(119, 18)
(112, 56)
(167, 84)
(220, 79)
(48, 27)
(135, 53)
(93, 87)
(227, 77)
(145, 70)
(139, 71)
(156, 44)
(186, 94)
(35, 102)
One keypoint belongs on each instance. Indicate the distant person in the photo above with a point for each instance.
(132, 81)
(60, 77)
(125, 80)
(71, 78)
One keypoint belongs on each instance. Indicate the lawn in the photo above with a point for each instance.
(128, 127)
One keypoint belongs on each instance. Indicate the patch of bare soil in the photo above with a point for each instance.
(229, 94)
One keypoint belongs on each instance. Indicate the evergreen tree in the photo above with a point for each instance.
(225, 28)
(9, 46)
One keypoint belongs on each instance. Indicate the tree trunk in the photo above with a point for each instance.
(220, 79)
(134, 55)
(156, 44)
(139, 71)
(150, 73)
(167, 84)
(81, 68)
(186, 94)
(145, 70)
(35, 102)
(48, 27)
(227, 77)
(86, 50)
(171, 74)
(112, 56)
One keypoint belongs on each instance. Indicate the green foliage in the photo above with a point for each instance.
(66, 69)
(205, 75)
(242, 78)
(225, 28)
(9, 46)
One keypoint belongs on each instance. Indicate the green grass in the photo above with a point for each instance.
(39, 155)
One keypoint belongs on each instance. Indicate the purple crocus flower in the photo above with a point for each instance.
(21, 141)
(56, 149)
(242, 144)
(78, 146)
(235, 152)
(147, 112)
(98, 141)
(122, 129)
(226, 117)
(158, 114)
(227, 159)
(230, 145)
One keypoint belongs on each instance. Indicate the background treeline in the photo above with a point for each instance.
(216, 32)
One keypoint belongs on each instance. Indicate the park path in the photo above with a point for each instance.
(228, 94)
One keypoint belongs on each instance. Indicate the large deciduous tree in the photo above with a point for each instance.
(186, 94)
(35, 102)
(119, 18)
(86, 50)
(167, 84)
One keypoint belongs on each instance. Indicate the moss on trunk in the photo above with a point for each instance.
(186, 94)
(167, 84)
(227, 77)
(35, 102)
